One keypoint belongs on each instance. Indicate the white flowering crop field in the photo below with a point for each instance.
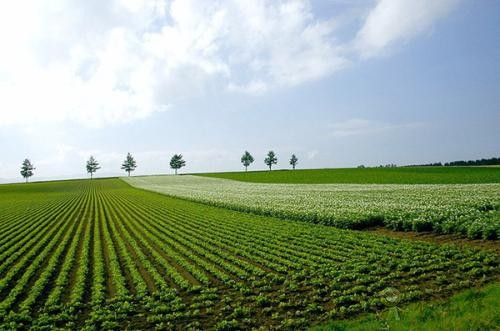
(472, 210)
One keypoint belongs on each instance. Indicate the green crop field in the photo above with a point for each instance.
(101, 255)
(399, 175)
(472, 210)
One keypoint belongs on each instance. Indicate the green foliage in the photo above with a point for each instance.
(176, 162)
(490, 161)
(271, 159)
(27, 169)
(262, 300)
(129, 164)
(399, 175)
(246, 159)
(92, 166)
(227, 325)
(293, 161)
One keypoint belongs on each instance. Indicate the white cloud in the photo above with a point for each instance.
(56, 67)
(99, 63)
(391, 21)
(359, 126)
(256, 87)
(112, 62)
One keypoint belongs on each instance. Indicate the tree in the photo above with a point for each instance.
(129, 164)
(92, 166)
(270, 159)
(246, 159)
(293, 161)
(27, 169)
(176, 162)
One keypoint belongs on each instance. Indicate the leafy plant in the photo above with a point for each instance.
(177, 162)
(92, 166)
(129, 164)
(27, 169)
(246, 159)
(270, 159)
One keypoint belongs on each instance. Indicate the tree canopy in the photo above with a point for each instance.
(293, 161)
(27, 169)
(246, 159)
(92, 166)
(271, 159)
(129, 164)
(176, 162)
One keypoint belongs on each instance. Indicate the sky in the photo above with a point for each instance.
(338, 83)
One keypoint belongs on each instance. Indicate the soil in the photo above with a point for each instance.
(452, 239)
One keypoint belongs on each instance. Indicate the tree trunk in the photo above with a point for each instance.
(246, 168)
(270, 167)
(176, 171)
(26, 179)
(129, 173)
(91, 175)
(293, 167)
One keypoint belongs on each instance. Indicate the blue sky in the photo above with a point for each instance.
(338, 83)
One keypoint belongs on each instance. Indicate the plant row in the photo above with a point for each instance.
(107, 256)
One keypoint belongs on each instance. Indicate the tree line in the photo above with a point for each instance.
(176, 162)
(92, 165)
(271, 159)
(461, 163)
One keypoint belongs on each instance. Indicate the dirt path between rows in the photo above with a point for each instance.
(492, 245)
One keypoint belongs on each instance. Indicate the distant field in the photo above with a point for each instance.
(402, 175)
(472, 210)
(101, 255)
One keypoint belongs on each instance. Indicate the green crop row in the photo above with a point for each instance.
(106, 256)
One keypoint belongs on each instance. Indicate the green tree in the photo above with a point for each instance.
(92, 166)
(246, 159)
(27, 169)
(176, 162)
(271, 159)
(293, 161)
(129, 164)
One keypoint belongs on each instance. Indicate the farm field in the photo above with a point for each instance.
(398, 175)
(471, 210)
(103, 255)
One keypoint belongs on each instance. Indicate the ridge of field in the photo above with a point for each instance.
(102, 255)
(398, 175)
(471, 210)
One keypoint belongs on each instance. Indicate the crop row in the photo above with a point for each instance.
(472, 210)
(107, 256)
